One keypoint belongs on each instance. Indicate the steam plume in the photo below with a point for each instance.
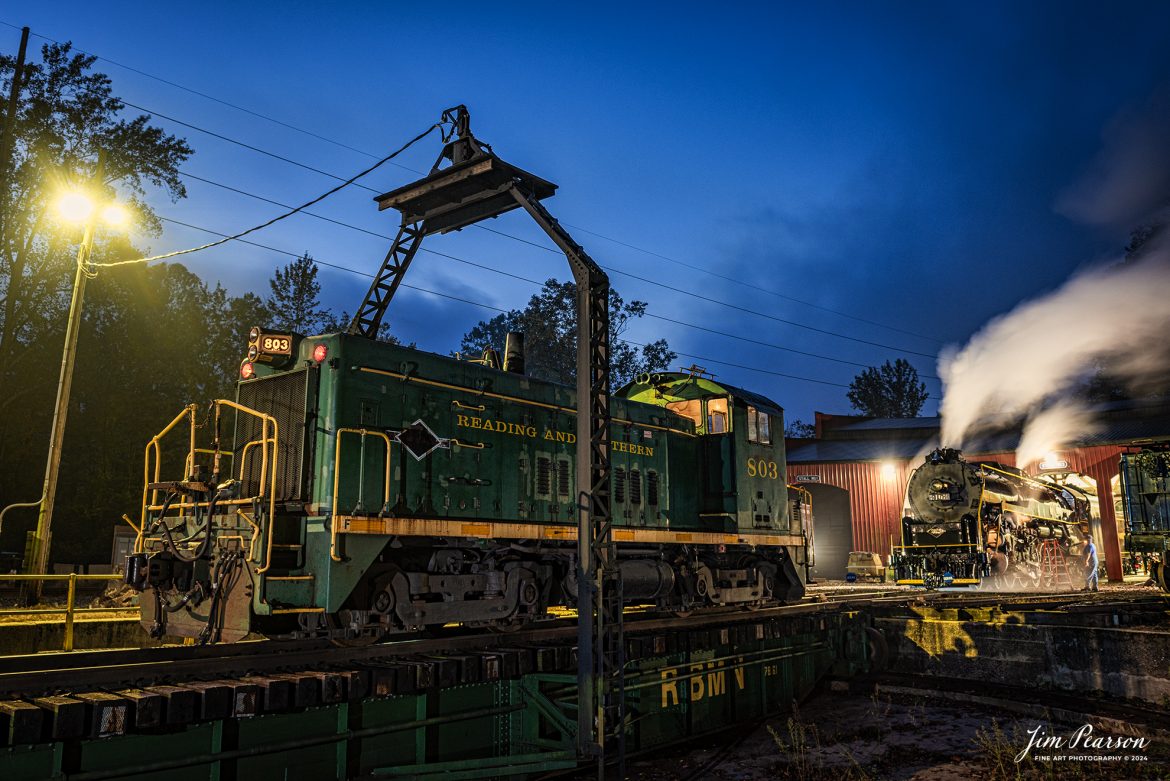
(1051, 428)
(1025, 364)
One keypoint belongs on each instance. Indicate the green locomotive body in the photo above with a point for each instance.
(372, 488)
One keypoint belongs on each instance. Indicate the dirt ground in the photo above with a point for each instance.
(840, 737)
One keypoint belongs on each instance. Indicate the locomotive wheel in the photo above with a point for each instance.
(506, 627)
(333, 622)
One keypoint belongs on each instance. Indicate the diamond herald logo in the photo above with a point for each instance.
(1083, 745)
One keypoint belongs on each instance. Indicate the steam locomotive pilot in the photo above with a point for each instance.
(1090, 560)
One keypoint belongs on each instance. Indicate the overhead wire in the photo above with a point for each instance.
(491, 307)
(538, 283)
(284, 215)
(606, 267)
(372, 155)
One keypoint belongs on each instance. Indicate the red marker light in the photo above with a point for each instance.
(247, 370)
(320, 352)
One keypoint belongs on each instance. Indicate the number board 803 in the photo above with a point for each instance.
(276, 344)
(760, 467)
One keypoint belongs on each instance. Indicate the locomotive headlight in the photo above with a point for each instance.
(254, 334)
(253, 352)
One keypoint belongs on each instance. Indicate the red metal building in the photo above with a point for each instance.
(856, 469)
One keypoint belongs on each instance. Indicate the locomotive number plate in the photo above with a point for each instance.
(276, 344)
(938, 497)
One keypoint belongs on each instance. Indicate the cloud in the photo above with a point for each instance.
(1128, 182)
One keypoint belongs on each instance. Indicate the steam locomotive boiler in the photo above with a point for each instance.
(964, 522)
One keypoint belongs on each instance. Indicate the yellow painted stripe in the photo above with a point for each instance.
(514, 530)
(942, 545)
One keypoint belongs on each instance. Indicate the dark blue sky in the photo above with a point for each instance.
(901, 162)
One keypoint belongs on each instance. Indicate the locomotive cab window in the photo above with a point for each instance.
(759, 426)
(717, 418)
(693, 409)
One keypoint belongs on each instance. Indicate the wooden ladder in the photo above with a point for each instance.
(1054, 566)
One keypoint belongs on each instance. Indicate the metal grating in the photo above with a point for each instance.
(543, 479)
(284, 397)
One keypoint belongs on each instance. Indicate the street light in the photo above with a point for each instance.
(74, 206)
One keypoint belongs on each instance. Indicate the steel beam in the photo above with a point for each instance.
(600, 646)
(368, 317)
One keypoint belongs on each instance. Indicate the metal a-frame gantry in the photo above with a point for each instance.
(475, 186)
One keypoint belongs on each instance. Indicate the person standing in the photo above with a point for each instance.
(1090, 562)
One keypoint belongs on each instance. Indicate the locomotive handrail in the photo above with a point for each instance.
(244, 456)
(188, 411)
(361, 478)
(266, 484)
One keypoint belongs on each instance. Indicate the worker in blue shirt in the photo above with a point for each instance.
(1090, 554)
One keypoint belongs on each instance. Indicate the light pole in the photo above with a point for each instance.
(75, 207)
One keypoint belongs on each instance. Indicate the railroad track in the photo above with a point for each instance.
(40, 674)
(55, 696)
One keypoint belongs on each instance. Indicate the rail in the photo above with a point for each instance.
(70, 610)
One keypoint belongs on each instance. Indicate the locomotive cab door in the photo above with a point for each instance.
(718, 465)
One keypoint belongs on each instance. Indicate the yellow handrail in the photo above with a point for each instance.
(337, 478)
(189, 410)
(267, 472)
(70, 609)
(269, 436)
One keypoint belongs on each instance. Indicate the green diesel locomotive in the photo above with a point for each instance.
(356, 489)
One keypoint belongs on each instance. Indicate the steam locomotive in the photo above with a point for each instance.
(1145, 487)
(358, 489)
(965, 522)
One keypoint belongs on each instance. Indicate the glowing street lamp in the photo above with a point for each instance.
(75, 207)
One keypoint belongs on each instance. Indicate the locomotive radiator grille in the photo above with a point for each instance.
(285, 397)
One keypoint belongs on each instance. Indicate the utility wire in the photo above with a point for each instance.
(326, 139)
(538, 283)
(489, 306)
(607, 268)
(283, 216)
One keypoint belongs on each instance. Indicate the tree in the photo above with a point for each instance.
(549, 325)
(891, 391)
(294, 303)
(798, 429)
(63, 116)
